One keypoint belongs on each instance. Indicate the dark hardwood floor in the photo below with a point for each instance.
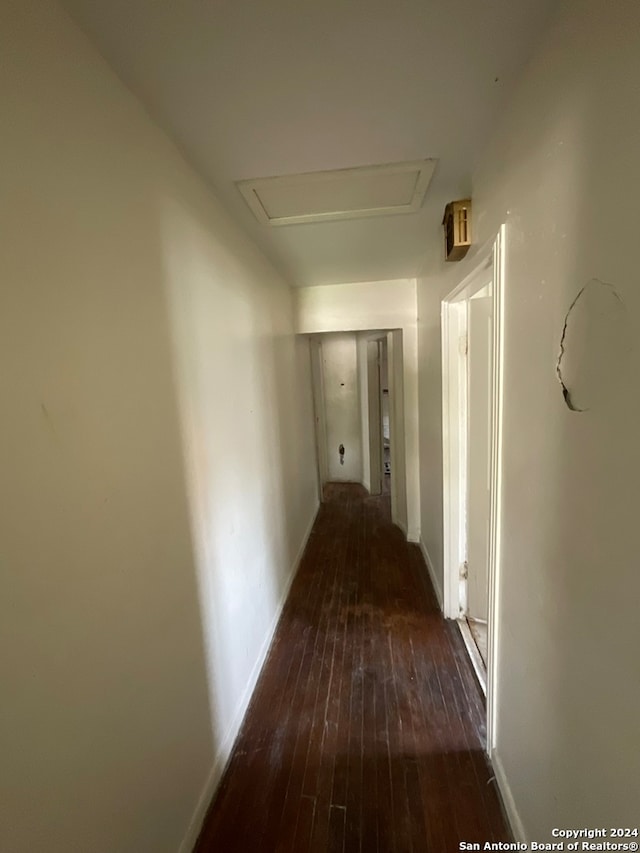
(366, 729)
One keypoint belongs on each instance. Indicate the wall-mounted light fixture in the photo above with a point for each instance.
(457, 229)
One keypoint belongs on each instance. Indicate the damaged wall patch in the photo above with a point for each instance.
(593, 344)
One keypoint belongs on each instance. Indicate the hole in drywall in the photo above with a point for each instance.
(594, 347)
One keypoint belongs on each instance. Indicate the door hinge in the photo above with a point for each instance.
(463, 344)
(464, 570)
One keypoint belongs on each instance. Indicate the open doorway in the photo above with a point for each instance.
(478, 352)
(358, 394)
(472, 339)
(384, 435)
(376, 401)
(385, 405)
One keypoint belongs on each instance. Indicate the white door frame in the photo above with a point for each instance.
(454, 440)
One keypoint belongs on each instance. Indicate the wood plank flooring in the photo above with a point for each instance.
(366, 729)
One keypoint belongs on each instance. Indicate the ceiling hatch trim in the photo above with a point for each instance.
(356, 193)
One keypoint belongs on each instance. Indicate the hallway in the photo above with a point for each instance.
(365, 732)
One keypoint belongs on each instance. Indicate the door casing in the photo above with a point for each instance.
(454, 434)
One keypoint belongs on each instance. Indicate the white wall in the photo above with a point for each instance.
(375, 305)
(364, 305)
(560, 172)
(319, 413)
(156, 449)
(342, 407)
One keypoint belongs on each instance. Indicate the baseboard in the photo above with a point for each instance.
(226, 748)
(211, 785)
(508, 803)
(298, 558)
(434, 579)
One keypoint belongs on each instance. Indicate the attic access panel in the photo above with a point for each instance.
(340, 194)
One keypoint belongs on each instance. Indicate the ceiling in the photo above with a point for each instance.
(253, 89)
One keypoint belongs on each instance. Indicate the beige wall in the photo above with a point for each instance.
(560, 172)
(156, 449)
(376, 305)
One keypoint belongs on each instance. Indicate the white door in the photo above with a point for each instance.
(478, 453)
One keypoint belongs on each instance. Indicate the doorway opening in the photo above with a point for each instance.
(358, 393)
(385, 415)
(472, 359)
(384, 433)
(376, 402)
